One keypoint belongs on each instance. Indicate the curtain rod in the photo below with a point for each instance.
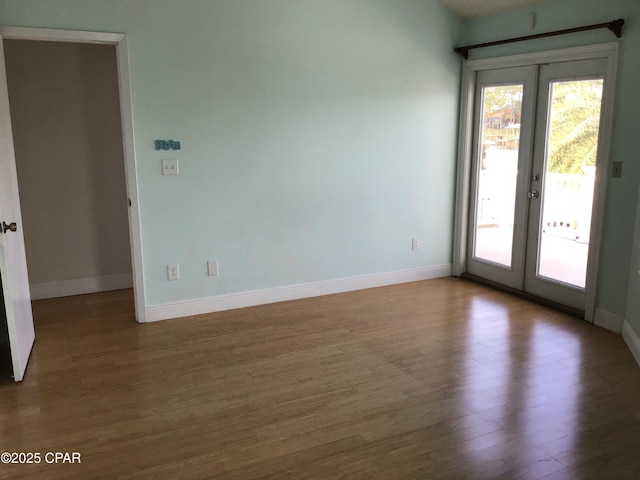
(615, 26)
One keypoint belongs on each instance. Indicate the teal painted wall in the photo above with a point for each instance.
(622, 194)
(633, 302)
(318, 136)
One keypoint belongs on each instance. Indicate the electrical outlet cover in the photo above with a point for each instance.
(212, 268)
(173, 271)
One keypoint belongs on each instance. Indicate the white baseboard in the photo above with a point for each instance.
(632, 340)
(80, 286)
(293, 292)
(608, 320)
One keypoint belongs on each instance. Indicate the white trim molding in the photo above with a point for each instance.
(632, 339)
(608, 320)
(80, 286)
(293, 292)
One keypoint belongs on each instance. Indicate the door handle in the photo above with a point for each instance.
(12, 227)
(534, 194)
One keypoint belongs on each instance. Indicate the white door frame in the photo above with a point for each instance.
(119, 40)
(608, 51)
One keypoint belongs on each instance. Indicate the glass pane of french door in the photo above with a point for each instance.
(570, 163)
(497, 173)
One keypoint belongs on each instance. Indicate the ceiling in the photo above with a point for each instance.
(477, 8)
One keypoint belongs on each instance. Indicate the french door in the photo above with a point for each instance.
(535, 150)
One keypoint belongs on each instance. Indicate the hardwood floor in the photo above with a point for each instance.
(442, 379)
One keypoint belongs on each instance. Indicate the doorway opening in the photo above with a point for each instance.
(66, 125)
(65, 115)
(16, 285)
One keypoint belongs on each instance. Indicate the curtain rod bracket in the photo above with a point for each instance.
(464, 51)
(615, 26)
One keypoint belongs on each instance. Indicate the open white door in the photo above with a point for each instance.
(13, 260)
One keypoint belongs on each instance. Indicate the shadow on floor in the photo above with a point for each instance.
(6, 369)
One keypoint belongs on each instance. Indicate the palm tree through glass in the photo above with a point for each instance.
(570, 166)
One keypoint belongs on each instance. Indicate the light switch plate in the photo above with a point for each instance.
(617, 170)
(170, 167)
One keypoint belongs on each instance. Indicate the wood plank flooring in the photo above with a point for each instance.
(442, 379)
